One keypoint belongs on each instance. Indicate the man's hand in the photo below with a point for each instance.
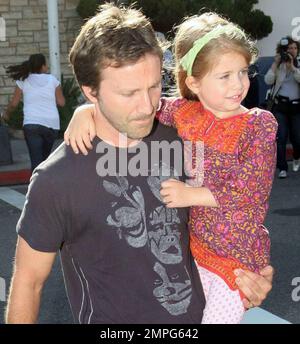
(256, 287)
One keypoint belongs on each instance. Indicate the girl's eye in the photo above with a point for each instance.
(245, 72)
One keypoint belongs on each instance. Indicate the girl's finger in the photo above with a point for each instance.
(74, 145)
(82, 147)
(67, 138)
(87, 142)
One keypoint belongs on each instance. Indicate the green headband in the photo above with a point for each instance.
(188, 59)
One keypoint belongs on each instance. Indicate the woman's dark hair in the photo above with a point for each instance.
(288, 40)
(33, 65)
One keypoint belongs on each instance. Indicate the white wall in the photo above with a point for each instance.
(285, 15)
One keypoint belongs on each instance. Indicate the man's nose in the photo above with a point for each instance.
(145, 104)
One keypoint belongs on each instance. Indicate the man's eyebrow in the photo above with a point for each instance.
(127, 90)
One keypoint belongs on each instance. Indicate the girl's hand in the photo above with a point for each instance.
(175, 194)
(256, 287)
(81, 129)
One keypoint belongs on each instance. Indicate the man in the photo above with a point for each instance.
(125, 256)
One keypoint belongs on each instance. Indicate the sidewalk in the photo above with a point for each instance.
(19, 171)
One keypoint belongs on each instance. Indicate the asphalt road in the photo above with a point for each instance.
(283, 221)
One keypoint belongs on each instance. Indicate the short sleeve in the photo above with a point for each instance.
(56, 82)
(20, 84)
(41, 223)
(167, 109)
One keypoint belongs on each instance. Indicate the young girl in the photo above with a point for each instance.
(228, 210)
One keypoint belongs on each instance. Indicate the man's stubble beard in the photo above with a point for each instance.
(134, 133)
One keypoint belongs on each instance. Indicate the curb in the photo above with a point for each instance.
(15, 177)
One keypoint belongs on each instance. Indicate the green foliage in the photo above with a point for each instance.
(15, 120)
(72, 94)
(164, 14)
(167, 13)
(259, 24)
(241, 12)
(87, 8)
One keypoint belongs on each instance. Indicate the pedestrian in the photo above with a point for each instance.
(226, 218)
(284, 76)
(41, 92)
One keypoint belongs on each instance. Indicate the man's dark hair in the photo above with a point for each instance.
(116, 36)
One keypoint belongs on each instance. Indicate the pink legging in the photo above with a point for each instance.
(223, 305)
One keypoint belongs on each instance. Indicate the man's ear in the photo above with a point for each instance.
(193, 84)
(89, 93)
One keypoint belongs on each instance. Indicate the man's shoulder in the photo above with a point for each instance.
(62, 164)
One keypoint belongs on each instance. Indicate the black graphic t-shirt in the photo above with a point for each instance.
(125, 256)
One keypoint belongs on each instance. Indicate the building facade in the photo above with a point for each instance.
(26, 33)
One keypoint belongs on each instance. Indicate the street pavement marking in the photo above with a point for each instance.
(256, 315)
(12, 197)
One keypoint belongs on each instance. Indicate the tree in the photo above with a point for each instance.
(165, 14)
(241, 12)
(87, 8)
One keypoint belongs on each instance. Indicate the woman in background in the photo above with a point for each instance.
(41, 94)
(284, 74)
